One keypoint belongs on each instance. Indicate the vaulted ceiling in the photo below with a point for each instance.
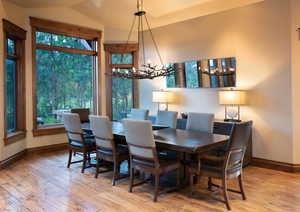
(119, 13)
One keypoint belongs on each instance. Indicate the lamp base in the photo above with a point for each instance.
(232, 120)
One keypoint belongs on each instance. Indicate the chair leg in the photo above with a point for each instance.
(178, 177)
(242, 187)
(209, 184)
(191, 183)
(97, 165)
(131, 179)
(225, 193)
(89, 157)
(70, 158)
(116, 164)
(84, 162)
(128, 166)
(156, 188)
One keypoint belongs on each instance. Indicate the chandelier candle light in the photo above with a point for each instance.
(146, 70)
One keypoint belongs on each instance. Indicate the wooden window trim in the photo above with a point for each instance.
(16, 33)
(119, 49)
(70, 30)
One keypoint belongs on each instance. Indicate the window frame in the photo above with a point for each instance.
(120, 48)
(58, 28)
(18, 35)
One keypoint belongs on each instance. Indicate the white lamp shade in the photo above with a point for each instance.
(161, 96)
(232, 97)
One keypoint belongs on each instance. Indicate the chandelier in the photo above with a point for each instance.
(146, 70)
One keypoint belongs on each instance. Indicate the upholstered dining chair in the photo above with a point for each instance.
(138, 114)
(78, 140)
(143, 154)
(167, 118)
(83, 114)
(106, 147)
(226, 166)
(200, 122)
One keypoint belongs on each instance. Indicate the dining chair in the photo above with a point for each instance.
(139, 114)
(144, 156)
(106, 147)
(78, 140)
(167, 118)
(200, 122)
(224, 167)
(83, 114)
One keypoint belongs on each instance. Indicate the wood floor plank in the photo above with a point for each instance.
(42, 182)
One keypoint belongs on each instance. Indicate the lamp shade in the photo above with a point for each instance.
(232, 97)
(160, 96)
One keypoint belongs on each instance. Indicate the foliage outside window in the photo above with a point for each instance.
(122, 96)
(65, 74)
(14, 84)
(121, 91)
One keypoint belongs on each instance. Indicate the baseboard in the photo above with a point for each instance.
(36, 150)
(12, 159)
(49, 148)
(280, 166)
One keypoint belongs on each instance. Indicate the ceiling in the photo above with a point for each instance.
(119, 13)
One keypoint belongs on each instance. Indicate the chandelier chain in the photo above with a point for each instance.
(155, 44)
(146, 71)
(128, 38)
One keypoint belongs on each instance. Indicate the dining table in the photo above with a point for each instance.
(185, 141)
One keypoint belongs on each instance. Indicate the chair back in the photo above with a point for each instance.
(83, 114)
(102, 130)
(140, 139)
(202, 122)
(73, 127)
(238, 143)
(139, 114)
(167, 118)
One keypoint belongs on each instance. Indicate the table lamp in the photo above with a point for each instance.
(232, 99)
(161, 97)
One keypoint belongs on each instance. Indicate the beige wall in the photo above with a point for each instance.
(259, 36)
(295, 36)
(20, 16)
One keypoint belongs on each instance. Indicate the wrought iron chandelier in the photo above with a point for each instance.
(146, 70)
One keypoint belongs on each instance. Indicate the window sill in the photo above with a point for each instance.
(14, 137)
(49, 130)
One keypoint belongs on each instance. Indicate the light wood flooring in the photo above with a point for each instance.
(43, 183)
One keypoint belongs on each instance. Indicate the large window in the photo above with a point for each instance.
(65, 71)
(122, 93)
(14, 85)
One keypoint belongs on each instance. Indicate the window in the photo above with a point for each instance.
(122, 93)
(66, 61)
(14, 84)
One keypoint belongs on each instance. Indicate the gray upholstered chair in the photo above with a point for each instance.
(139, 114)
(143, 153)
(106, 147)
(226, 166)
(167, 118)
(78, 141)
(200, 122)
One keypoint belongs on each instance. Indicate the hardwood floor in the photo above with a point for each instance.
(43, 183)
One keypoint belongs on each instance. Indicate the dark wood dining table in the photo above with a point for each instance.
(185, 142)
(175, 139)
